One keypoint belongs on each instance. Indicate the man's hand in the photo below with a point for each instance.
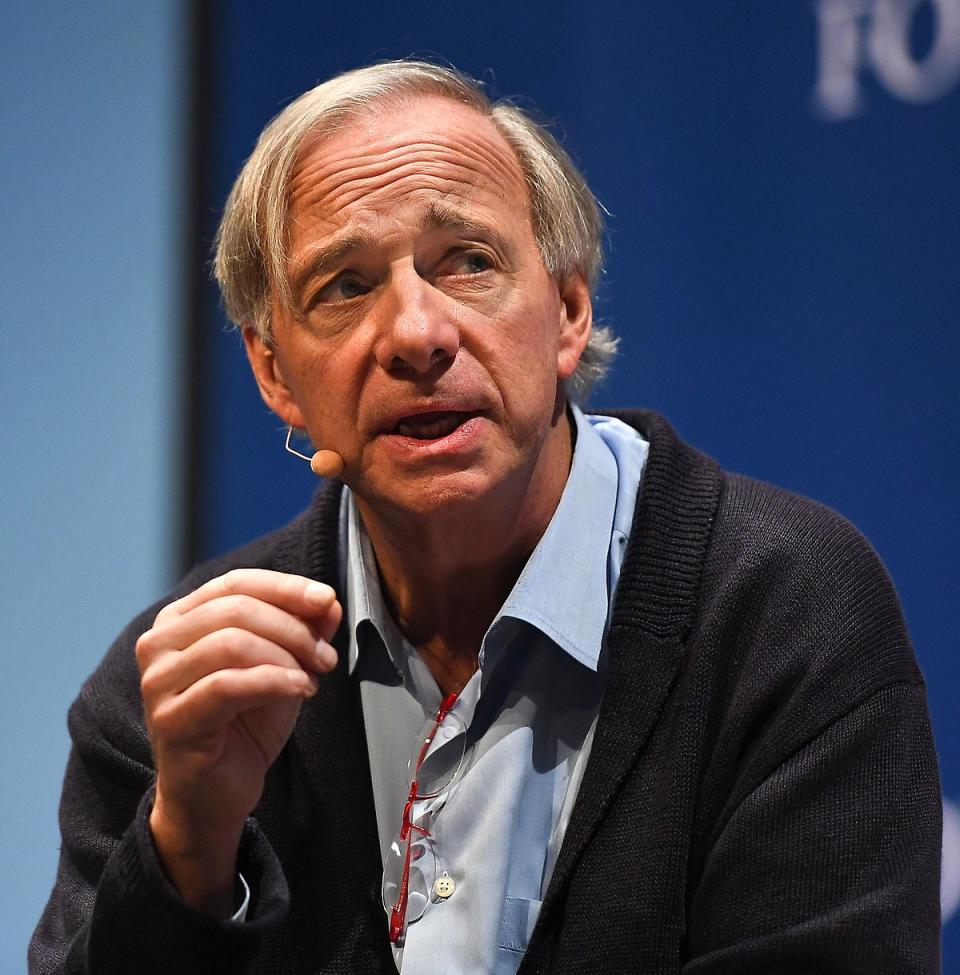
(223, 672)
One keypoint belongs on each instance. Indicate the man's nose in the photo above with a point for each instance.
(416, 331)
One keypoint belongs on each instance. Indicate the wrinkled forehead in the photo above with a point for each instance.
(397, 150)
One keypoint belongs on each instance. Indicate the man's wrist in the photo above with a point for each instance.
(201, 864)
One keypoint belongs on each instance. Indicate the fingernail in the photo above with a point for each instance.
(326, 655)
(302, 682)
(317, 591)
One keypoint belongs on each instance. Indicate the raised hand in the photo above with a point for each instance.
(223, 673)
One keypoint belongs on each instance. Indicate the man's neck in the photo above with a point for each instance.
(445, 576)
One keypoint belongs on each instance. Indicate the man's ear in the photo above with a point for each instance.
(576, 320)
(273, 387)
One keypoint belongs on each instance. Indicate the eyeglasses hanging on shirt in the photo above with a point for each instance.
(413, 873)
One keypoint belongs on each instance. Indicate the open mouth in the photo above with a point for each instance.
(432, 426)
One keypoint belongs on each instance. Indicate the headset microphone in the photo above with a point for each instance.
(326, 463)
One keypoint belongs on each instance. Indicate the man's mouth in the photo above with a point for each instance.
(432, 426)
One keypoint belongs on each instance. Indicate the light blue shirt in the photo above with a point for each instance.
(529, 711)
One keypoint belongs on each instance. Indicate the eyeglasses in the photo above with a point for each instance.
(410, 870)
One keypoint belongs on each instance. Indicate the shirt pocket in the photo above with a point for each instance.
(516, 925)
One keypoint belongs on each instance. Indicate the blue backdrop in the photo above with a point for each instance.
(90, 166)
(782, 182)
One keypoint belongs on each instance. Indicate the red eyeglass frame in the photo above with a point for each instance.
(398, 915)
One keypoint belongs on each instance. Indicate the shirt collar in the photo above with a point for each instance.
(365, 607)
(563, 590)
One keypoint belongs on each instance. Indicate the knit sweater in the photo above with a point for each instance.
(761, 796)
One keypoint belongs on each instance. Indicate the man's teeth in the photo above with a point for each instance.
(430, 429)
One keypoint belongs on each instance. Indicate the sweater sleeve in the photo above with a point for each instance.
(829, 865)
(112, 910)
(820, 847)
(825, 856)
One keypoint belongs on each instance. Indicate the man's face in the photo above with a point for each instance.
(427, 340)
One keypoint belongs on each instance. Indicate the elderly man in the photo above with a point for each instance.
(524, 689)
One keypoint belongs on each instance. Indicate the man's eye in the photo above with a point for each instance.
(343, 288)
(473, 262)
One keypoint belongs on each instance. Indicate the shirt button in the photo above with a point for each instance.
(444, 886)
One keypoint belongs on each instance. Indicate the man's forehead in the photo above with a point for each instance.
(426, 135)
(434, 165)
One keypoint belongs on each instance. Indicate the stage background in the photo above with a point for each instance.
(91, 164)
(782, 182)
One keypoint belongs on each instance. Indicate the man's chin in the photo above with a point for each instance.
(435, 495)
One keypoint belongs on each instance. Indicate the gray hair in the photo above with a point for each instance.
(251, 241)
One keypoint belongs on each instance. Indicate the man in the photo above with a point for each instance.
(533, 691)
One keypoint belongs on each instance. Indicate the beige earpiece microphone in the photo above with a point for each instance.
(324, 463)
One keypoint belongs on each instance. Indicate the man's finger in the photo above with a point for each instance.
(226, 649)
(236, 612)
(210, 704)
(296, 594)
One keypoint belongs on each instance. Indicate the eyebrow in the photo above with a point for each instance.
(328, 254)
(437, 217)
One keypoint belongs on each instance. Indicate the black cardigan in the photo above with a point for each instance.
(761, 796)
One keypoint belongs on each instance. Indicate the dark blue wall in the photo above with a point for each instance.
(782, 266)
